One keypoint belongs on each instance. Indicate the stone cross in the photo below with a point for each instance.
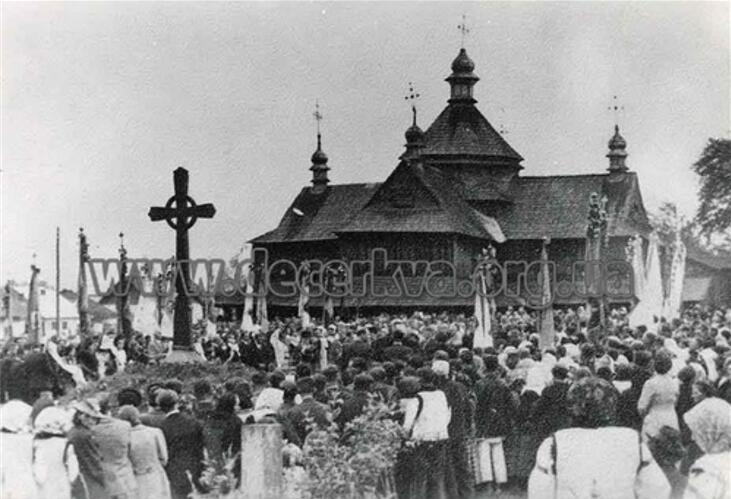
(181, 213)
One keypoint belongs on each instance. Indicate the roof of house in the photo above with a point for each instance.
(716, 261)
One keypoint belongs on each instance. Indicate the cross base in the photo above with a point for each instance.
(182, 356)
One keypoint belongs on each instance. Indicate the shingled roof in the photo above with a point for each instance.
(461, 129)
(557, 206)
(321, 214)
(450, 213)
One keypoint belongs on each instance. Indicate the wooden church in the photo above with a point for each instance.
(457, 190)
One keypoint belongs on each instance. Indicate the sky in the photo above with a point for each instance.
(102, 101)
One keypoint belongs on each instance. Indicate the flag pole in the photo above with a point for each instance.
(58, 282)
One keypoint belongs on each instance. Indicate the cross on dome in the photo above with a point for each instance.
(462, 27)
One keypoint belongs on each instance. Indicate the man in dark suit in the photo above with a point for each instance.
(309, 408)
(357, 348)
(184, 437)
(356, 404)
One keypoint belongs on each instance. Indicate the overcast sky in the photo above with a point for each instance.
(101, 101)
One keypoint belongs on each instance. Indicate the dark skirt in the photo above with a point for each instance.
(422, 471)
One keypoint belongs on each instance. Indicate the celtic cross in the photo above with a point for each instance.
(181, 212)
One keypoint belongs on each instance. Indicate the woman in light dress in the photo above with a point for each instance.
(710, 426)
(594, 458)
(149, 456)
(54, 462)
(657, 400)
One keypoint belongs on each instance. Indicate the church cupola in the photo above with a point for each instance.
(462, 79)
(415, 141)
(319, 168)
(617, 152)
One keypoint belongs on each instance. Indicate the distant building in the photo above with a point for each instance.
(457, 189)
(707, 278)
(13, 323)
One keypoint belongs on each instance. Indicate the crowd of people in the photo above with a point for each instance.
(619, 412)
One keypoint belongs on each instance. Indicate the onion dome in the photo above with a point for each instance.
(414, 140)
(617, 152)
(414, 134)
(462, 78)
(462, 63)
(319, 157)
(319, 167)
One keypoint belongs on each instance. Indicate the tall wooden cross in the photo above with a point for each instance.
(181, 213)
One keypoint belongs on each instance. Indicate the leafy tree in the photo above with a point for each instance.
(714, 168)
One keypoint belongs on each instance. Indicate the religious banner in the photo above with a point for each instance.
(124, 314)
(304, 295)
(32, 321)
(651, 299)
(483, 312)
(83, 290)
(673, 302)
(547, 334)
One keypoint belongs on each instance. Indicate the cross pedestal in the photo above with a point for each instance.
(181, 212)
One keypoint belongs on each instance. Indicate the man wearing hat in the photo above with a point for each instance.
(91, 480)
(113, 438)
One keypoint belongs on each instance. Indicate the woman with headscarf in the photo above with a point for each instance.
(149, 455)
(594, 458)
(54, 463)
(16, 451)
(710, 426)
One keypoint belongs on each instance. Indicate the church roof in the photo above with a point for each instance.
(461, 129)
(449, 213)
(557, 206)
(551, 206)
(321, 214)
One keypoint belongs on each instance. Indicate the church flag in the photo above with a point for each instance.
(304, 296)
(83, 289)
(32, 322)
(483, 336)
(638, 267)
(671, 308)
(651, 299)
(547, 333)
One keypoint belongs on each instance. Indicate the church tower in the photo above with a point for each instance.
(617, 153)
(461, 142)
(319, 166)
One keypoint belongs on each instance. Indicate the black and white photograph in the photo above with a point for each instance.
(365, 250)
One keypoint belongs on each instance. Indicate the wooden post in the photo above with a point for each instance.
(261, 461)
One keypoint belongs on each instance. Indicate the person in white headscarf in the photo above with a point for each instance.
(710, 426)
(16, 452)
(54, 462)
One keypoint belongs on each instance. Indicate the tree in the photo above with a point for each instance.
(714, 168)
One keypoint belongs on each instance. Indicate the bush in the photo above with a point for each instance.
(139, 376)
(357, 462)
